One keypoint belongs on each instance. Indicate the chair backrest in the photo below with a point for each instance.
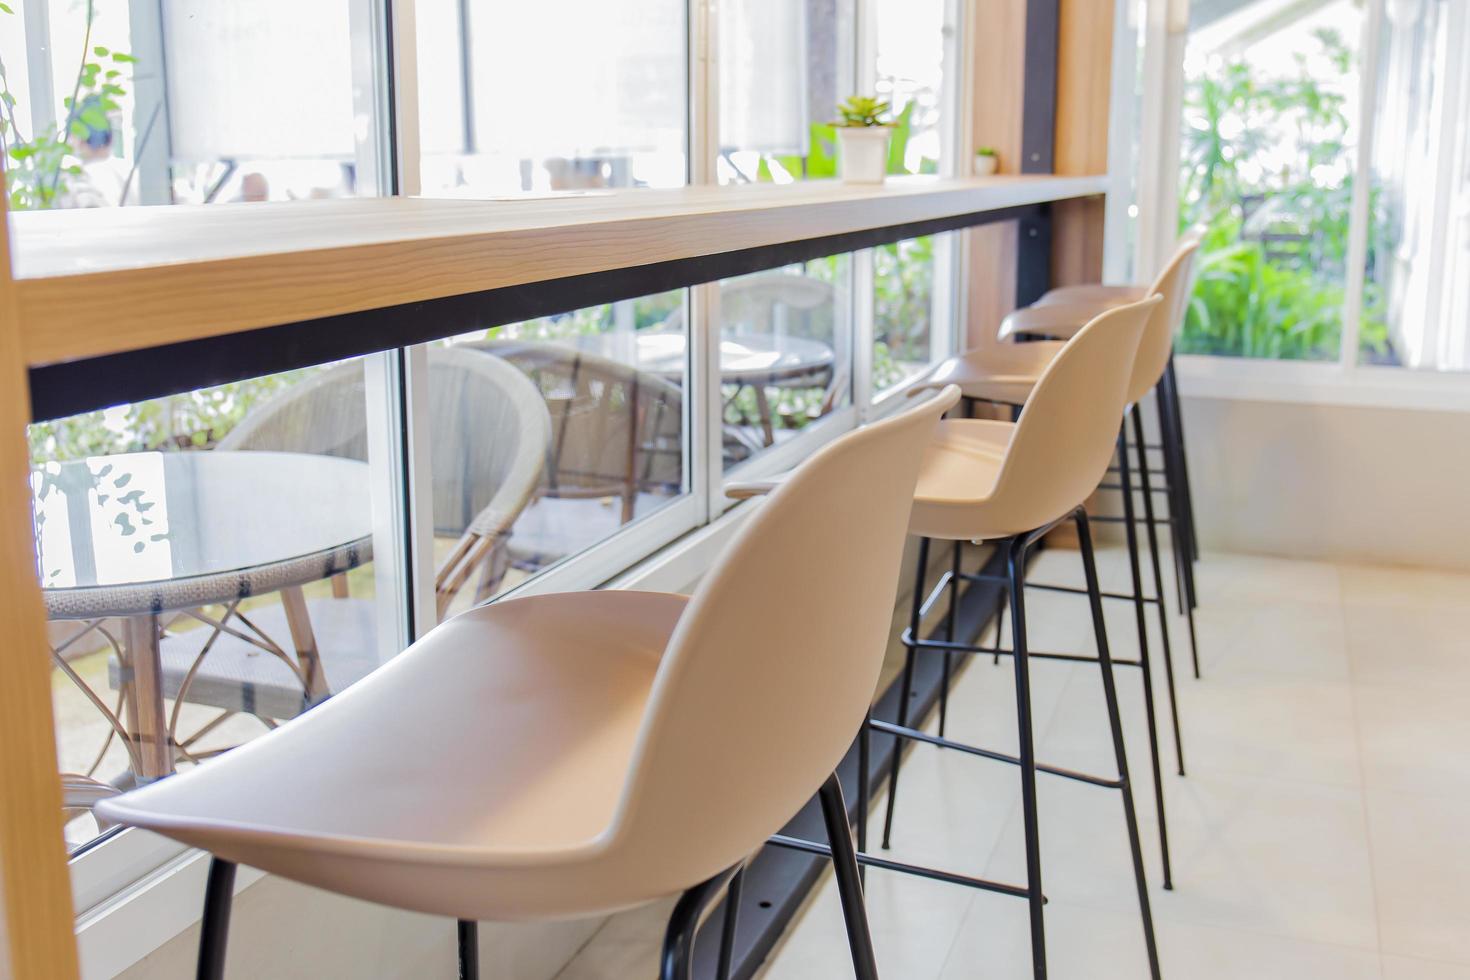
(1064, 439)
(488, 432)
(1174, 284)
(766, 679)
(614, 429)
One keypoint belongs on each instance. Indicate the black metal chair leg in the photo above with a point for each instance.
(1001, 601)
(864, 788)
(214, 930)
(1179, 513)
(1141, 624)
(677, 960)
(1016, 573)
(849, 883)
(1171, 378)
(1115, 722)
(1153, 550)
(731, 924)
(950, 626)
(906, 687)
(469, 949)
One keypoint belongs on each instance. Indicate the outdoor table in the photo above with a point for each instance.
(752, 360)
(140, 535)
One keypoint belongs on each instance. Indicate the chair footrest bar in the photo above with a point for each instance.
(899, 731)
(1119, 487)
(952, 647)
(873, 861)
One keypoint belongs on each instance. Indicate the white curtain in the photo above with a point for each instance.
(578, 78)
(1421, 160)
(259, 78)
(763, 76)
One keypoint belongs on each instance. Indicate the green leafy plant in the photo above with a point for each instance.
(986, 151)
(860, 111)
(39, 169)
(1267, 172)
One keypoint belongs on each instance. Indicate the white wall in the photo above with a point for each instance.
(1336, 482)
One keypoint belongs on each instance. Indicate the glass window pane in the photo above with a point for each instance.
(906, 308)
(913, 45)
(180, 102)
(576, 430)
(784, 66)
(154, 519)
(1269, 137)
(1416, 302)
(553, 96)
(785, 352)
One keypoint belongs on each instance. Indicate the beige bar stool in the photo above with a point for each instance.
(1060, 313)
(1007, 375)
(1011, 483)
(571, 755)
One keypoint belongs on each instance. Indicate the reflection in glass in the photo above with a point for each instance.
(171, 101)
(517, 97)
(785, 351)
(605, 389)
(206, 562)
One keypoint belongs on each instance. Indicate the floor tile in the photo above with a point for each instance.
(1406, 968)
(1421, 869)
(1271, 856)
(1407, 735)
(1423, 646)
(1097, 944)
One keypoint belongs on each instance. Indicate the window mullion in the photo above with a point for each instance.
(403, 107)
(1359, 217)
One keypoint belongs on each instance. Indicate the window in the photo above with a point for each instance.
(213, 563)
(1416, 302)
(132, 102)
(785, 353)
(911, 279)
(552, 452)
(518, 97)
(1324, 155)
(552, 435)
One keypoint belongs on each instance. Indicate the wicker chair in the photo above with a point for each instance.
(616, 434)
(489, 430)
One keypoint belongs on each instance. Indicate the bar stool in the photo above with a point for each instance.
(1007, 375)
(1011, 483)
(1060, 313)
(577, 754)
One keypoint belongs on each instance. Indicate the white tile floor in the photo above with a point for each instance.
(1323, 830)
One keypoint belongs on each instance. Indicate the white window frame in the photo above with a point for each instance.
(1344, 381)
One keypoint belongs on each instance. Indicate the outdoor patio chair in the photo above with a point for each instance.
(489, 430)
(616, 435)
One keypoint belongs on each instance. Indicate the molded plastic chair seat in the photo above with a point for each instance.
(1003, 374)
(394, 806)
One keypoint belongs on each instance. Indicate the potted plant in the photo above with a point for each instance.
(986, 161)
(862, 138)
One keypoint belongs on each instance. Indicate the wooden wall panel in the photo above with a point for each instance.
(1085, 49)
(37, 941)
(997, 31)
(1084, 78)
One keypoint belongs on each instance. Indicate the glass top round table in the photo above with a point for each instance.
(142, 533)
(745, 359)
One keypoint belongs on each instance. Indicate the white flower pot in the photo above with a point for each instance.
(863, 153)
(986, 165)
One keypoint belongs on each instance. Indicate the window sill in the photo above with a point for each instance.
(1319, 383)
